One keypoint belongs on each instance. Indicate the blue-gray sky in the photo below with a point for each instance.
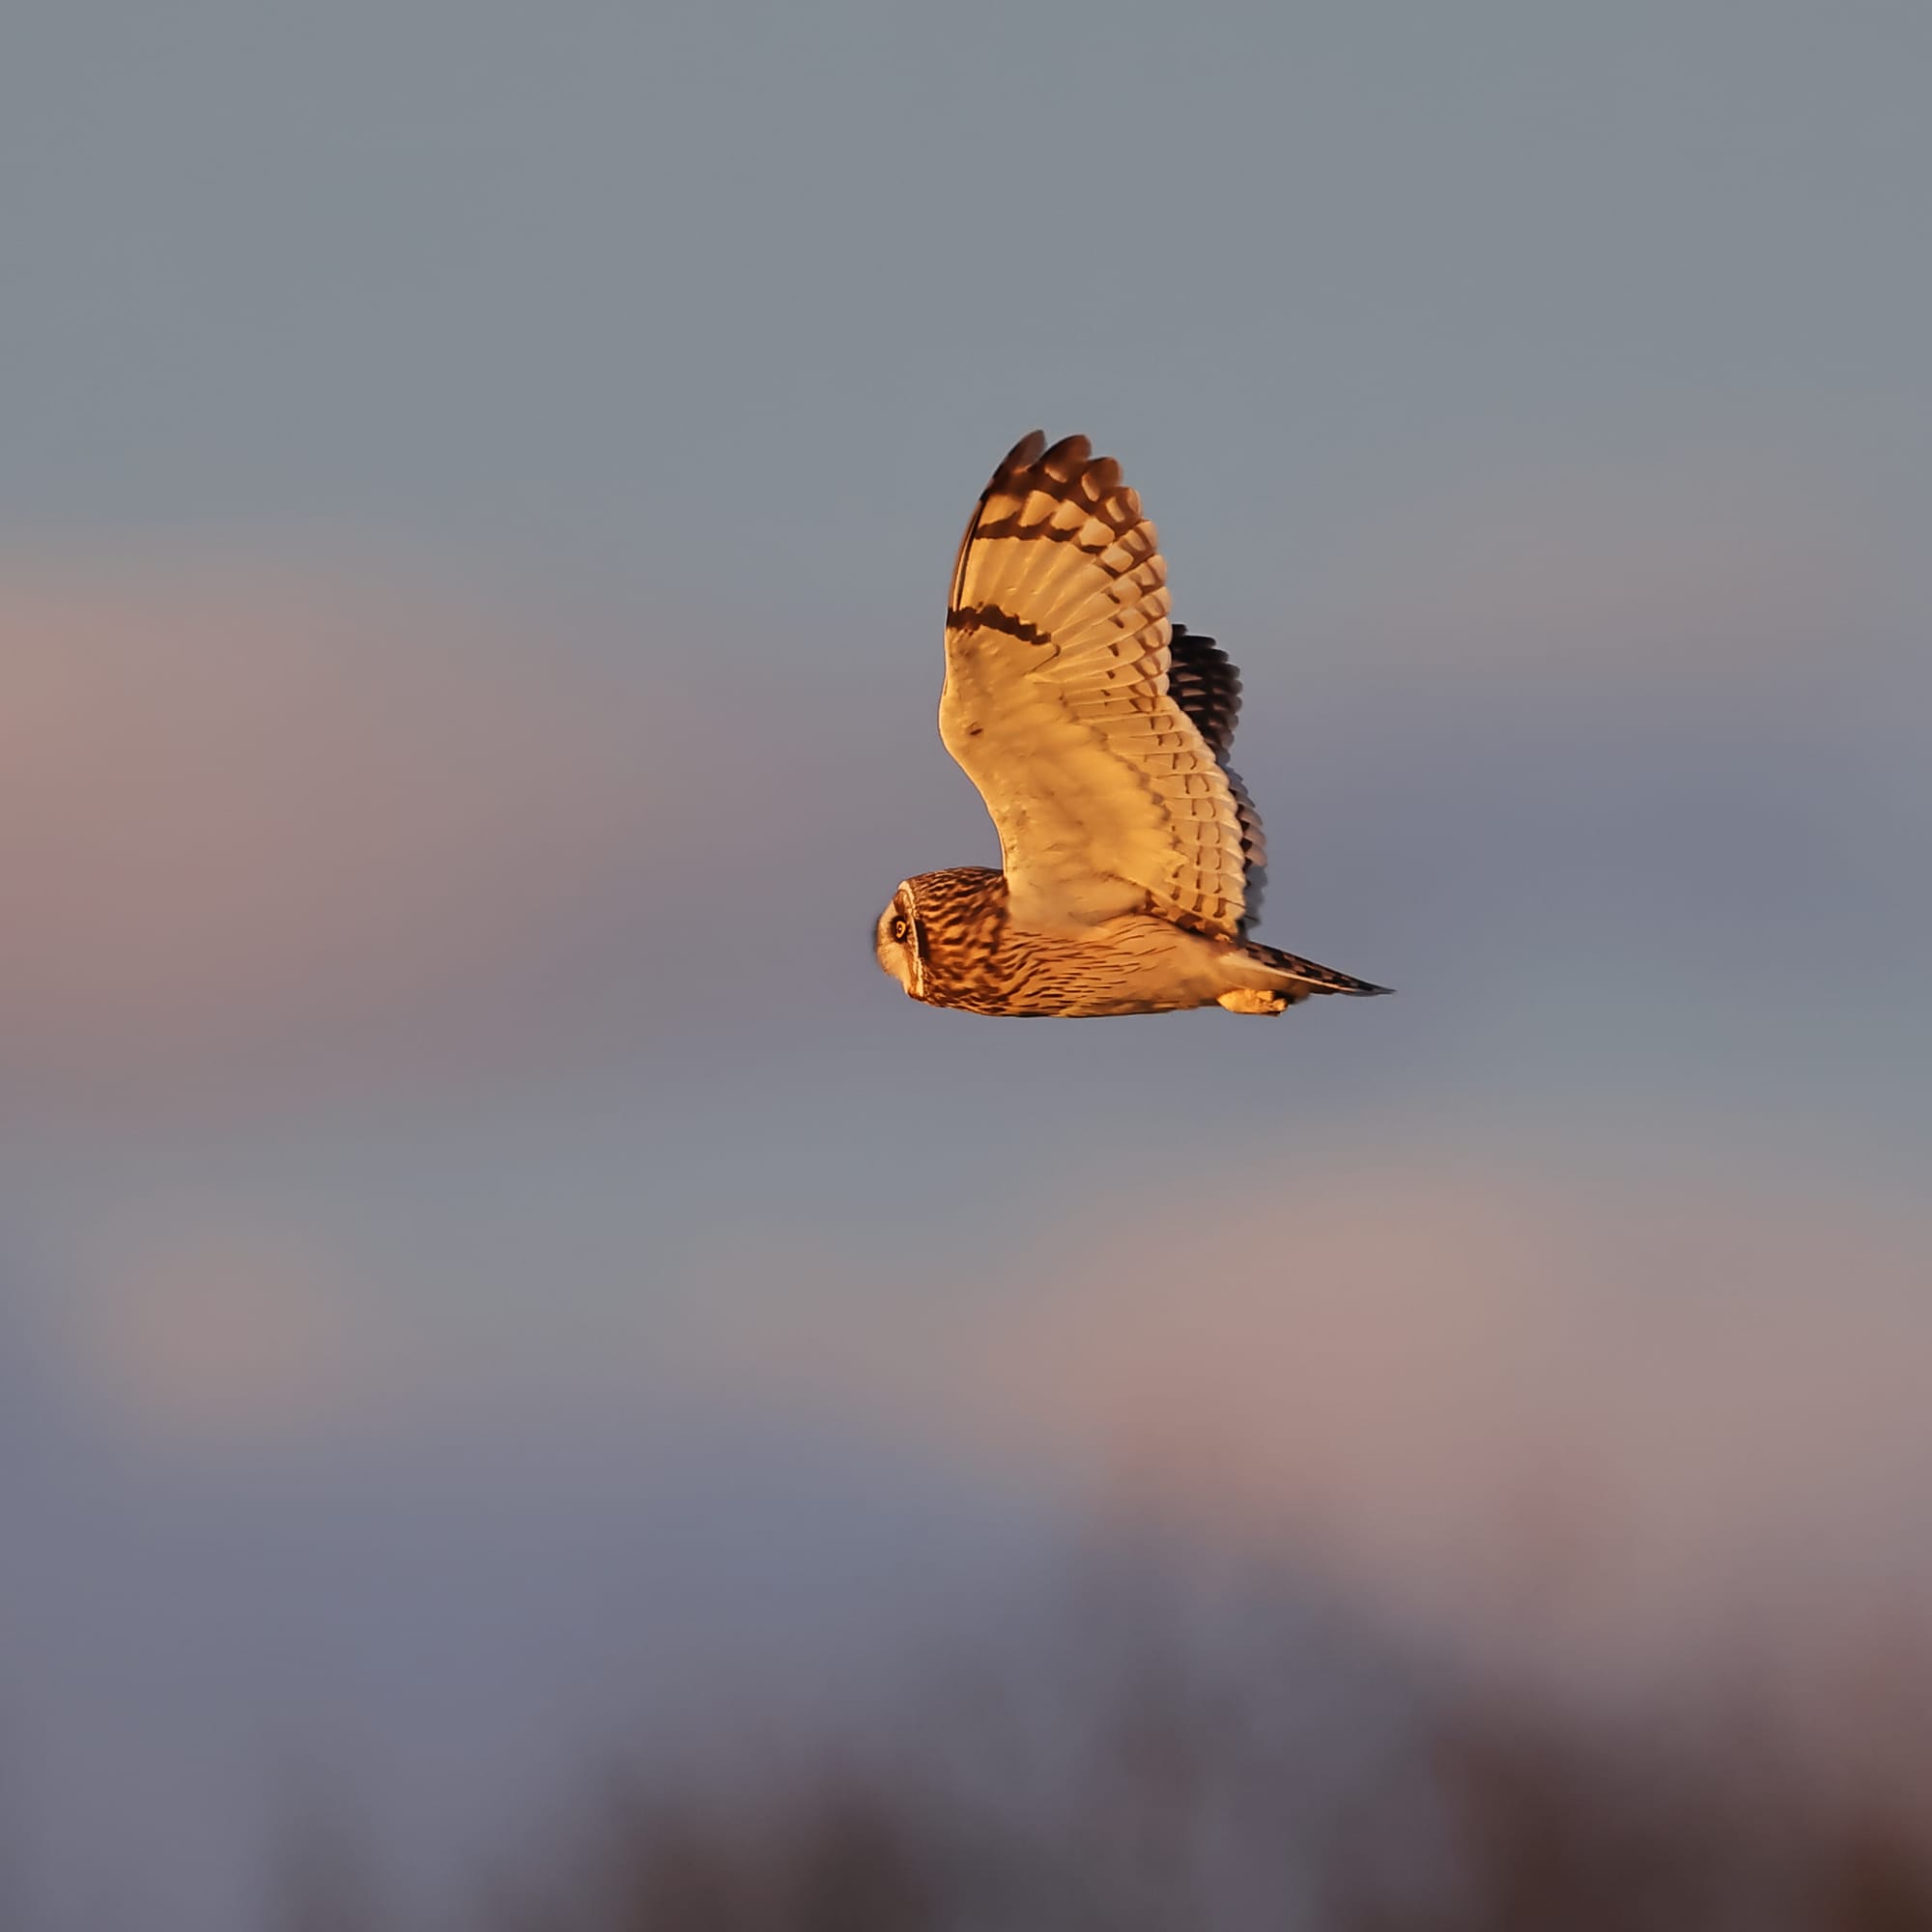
(475, 495)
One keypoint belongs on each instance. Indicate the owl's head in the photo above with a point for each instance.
(895, 941)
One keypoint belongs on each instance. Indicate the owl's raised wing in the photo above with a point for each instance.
(1106, 795)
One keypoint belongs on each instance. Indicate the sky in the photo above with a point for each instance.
(474, 506)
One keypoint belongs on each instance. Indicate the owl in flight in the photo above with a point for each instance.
(1097, 735)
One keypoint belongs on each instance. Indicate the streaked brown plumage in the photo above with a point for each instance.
(1096, 733)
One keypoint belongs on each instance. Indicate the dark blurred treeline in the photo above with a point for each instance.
(1259, 1779)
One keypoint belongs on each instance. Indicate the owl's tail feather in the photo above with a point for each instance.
(1296, 979)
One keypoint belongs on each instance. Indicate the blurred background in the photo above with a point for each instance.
(537, 1390)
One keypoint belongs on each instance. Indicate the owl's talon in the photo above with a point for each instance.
(1250, 1000)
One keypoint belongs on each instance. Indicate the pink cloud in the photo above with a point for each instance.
(205, 1328)
(260, 820)
(1608, 1413)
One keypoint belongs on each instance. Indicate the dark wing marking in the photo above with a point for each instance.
(1206, 686)
(1202, 681)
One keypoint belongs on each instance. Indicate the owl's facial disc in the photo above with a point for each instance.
(895, 942)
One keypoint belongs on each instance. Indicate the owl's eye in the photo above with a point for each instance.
(900, 927)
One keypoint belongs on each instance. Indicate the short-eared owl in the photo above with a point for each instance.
(1097, 735)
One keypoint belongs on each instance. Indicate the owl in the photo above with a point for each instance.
(1131, 859)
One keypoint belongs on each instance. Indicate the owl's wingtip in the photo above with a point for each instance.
(1026, 452)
